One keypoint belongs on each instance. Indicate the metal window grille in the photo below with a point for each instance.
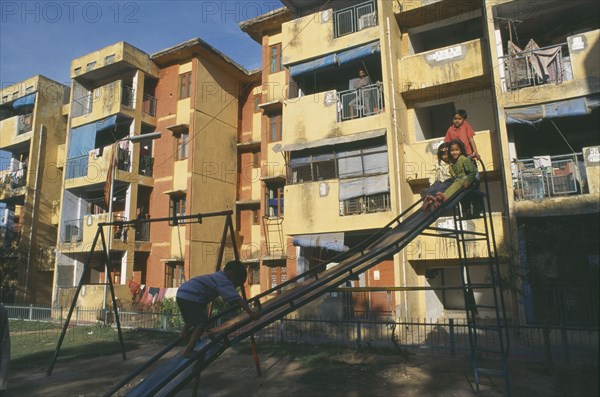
(128, 96)
(364, 102)
(355, 18)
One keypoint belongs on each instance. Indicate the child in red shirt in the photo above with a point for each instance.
(462, 130)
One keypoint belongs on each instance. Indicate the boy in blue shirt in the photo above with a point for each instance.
(194, 295)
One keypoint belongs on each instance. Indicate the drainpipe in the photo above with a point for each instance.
(396, 153)
(33, 207)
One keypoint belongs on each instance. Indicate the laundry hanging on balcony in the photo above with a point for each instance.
(336, 59)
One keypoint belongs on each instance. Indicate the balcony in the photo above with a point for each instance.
(24, 123)
(332, 115)
(12, 183)
(364, 102)
(72, 231)
(149, 105)
(83, 230)
(330, 30)
(419, 161)
(537, 66)
(148, 102)
(550, 176)
(442, 66)
(14, 129)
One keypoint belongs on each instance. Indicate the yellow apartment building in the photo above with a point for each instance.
(201, 93)
(188, 100)
(352, 153)
(108, 169)
(32, 131)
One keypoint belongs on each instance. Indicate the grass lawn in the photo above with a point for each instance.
(34, 342)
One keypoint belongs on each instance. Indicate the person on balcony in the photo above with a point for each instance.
(363, 98)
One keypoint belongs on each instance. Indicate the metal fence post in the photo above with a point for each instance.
(77, 315)
(452, 341)
(565, 341)
(358, 335)
(281, 331)
(30, 312)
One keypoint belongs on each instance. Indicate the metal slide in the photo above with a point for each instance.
(172, 376)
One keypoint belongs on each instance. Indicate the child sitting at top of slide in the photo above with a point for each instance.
(443, 178)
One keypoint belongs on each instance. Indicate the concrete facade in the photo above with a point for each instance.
(32, 131)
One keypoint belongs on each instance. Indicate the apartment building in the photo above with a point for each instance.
(202, 98)
(151, 136)
(32, 131)
(108, 169)
(352, 153)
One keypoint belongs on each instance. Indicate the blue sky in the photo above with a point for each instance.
(42, 37)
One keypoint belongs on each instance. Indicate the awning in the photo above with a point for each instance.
(352, 188)
(329, 241)
(27, 100)
(339, 58)
(331, 141)
(108, 123)
(320, 63)
(358, 53)
(535, 114)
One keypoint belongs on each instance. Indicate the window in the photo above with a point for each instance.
(174, 275)
(274, 200)
(253, 274)
(185, 83)
(339, 161)
(275, 56)
(274, 127)
(182, 146)
(177, 206)
(355, 18)
(365, 204)
(90, 66)
(277, 273)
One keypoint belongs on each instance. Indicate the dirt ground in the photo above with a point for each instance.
(293, 370)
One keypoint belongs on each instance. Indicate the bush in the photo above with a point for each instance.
(170, 309)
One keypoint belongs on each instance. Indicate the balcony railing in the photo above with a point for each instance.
(366, 204)
(14, 179)
(149, 105)
(24, 123)
(82, 105)
(364, 102)
(76, 167)
(119, 232)
(128, 96)
(73, 231)
(541, 66)
(355, 18)
(549, 176)
(146, 167)
(142, 231)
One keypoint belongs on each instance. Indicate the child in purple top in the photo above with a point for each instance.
(195, 294)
